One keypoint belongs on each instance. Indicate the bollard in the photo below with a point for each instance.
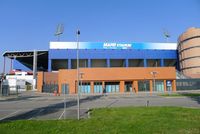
(88, 113)
(147, 103)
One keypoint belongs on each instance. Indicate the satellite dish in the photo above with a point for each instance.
(59, 30)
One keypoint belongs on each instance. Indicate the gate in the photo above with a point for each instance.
(50, 88)
(5, 90)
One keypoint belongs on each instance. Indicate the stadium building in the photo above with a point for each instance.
(115, 67)
(189, 52)
(111, 67)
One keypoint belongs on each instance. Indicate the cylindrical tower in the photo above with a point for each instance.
(189, 52)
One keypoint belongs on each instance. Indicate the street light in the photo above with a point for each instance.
(153, 73)
(145, 85)
(81, 80)
(77, 56)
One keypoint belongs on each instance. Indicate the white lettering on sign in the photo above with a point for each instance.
(109, 44)
(117, 46)
(124, 45)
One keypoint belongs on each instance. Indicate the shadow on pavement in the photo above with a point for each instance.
(197, 99)
(48, 109)
(18, 98)
(192, 96)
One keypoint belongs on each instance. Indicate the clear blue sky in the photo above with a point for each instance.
(30, 24)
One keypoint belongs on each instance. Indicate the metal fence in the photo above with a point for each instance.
(7, 90)
(50, 88)
(187, 84)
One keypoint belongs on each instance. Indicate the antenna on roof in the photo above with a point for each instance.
(59, 31)
(166, 35)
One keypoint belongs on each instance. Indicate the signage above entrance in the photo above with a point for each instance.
(110, 45)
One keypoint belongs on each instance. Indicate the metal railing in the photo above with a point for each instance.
(187, 84)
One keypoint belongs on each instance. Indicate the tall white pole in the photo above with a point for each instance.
(78, 92)
(153, 73)
(154, 82)
(65, 87)
(34, 69)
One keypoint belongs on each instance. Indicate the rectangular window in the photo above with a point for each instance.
(117, 63)
(83, 63)
(143, 86)
(84, 87)
(98, 87)
(159, 86)
(136, 63)
(128, 86)
(112, 87)
(57, 64)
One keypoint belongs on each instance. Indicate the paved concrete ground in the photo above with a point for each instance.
(34, 105)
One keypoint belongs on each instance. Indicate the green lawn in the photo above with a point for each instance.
(128, 120)
(181, 95)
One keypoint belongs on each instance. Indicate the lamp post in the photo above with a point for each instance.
(65, 101)
(35, 55)
(78, 92)
(153, 73)
(145, 85)
(81, 80)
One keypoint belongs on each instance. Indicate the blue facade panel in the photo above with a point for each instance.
(112, 54)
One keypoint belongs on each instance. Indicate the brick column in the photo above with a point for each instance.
(174, 85)
(135, 86)
(151, 86)
(40, 81)
(103, 86)
(165, 86)
(92, 86)
(121, 86)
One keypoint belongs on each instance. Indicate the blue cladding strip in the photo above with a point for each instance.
(112, 54)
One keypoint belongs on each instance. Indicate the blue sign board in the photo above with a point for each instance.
(169, 83)
(108, 45)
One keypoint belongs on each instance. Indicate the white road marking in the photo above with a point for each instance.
(61, 114)
(10, 115)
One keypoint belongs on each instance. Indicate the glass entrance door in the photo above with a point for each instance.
(128, 86)
(112, 87)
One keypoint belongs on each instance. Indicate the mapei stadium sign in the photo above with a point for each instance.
(100, 45)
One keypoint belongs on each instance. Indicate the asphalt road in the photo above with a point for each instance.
(34, 105)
